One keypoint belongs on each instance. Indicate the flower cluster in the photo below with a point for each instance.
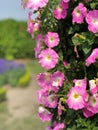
(66, 36)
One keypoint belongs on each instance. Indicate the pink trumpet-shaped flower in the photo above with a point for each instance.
(48, 58)
(76, 98)
(36, 4)
(61, 11)
(51, 39)
(92, 58)
(44, 114)
(80, 83)
(79, 13)
(92, 20)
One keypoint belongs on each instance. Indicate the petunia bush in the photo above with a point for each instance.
(66, 44)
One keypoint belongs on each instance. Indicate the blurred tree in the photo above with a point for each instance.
(15, 42)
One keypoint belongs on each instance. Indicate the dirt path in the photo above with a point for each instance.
(22, 101)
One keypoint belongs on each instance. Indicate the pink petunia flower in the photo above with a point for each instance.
(82, 83)
(32, 26)
(36, 4)
(59, 126)
(46, 99)
(92, 58)
(87, 113)
(56, 126)
(44, 80)
(57, 80)
(79, 13)
(48, 58)
(66, 1)
(39, 45)
(76, 98)
(92, 104)
(44, 114)
(93, 87)
(61, 11)
(52, 101)
(91, 107)
(41, 96)
(92, 20)
(51, 39)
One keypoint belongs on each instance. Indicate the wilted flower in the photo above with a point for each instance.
(44, 114)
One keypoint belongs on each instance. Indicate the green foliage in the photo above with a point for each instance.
(3, 92)
(2, 79)
(15, 42)
(14, 75)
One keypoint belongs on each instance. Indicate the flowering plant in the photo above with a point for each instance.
(66, 37)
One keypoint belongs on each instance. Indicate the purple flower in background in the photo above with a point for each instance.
(6, 65)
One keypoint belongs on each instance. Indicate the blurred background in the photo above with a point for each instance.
(18, 70)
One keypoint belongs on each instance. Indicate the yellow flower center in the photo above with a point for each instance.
(47, 57)
(60, 8)
(56, 82)
(51, 39)
(76, 95)
(78, 83)
(95, 21)
(78, 12)
(92, 101)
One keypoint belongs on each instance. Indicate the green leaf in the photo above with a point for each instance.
(95, 128)
(76, 40)
(86, 49)
(94, 5)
